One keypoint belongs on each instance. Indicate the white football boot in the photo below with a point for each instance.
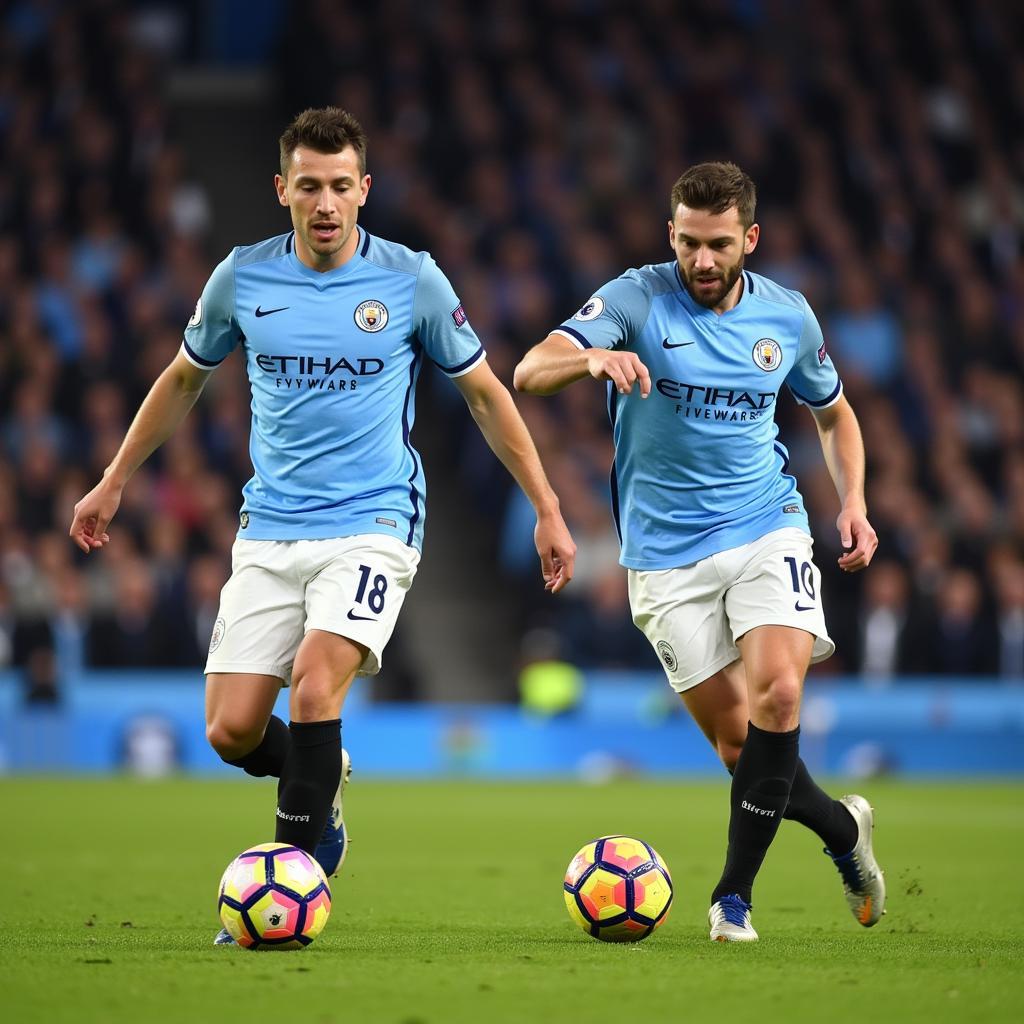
(729, 918)
(863, 879)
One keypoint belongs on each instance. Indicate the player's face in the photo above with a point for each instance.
(323, 191)
(710, 248)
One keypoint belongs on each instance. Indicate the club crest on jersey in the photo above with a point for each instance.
(590, 310)
(371, 315)
(197, 316)
(767, 354)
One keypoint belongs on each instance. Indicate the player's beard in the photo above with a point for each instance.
(712, 297)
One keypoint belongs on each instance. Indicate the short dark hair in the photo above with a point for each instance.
(715, 187)
(324, 130)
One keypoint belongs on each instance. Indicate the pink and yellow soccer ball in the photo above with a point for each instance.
(618, 889)
(274, 896)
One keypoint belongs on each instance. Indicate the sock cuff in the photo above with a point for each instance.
(782, 739)
(315, 734)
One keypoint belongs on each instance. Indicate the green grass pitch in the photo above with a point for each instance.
(449, 909)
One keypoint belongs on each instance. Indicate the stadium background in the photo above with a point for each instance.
(530, 147)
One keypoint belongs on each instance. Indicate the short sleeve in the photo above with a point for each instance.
(613, 316)
(441, 325)
(813, 379)
(213, 332)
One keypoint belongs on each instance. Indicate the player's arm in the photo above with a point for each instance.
(556, 362)
(168, 402)
(843, 446)
(504, 430)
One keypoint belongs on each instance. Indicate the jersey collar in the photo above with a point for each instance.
(329, 276)
(697, 309)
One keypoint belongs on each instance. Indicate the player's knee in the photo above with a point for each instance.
(232, 740)
(779, 702)
(315, 698)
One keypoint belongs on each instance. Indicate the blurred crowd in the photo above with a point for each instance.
(531, 148)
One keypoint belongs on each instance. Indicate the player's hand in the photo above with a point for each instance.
(623, 369)
(92, 516)
(557, 551)
(858, 538)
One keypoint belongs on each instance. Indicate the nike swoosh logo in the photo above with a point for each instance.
(361, 618)
(803, 608)
(679, 344)
(267, 312)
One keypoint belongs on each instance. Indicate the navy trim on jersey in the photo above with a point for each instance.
(199, 359)
(784, 455)
(288, 243)
(466, 362)
(750, 281)
(821, 402)
(576, 334)
(366, 243)
(414, 496)
(613, 480)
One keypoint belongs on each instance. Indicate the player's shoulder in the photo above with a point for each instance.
(261, 252)
(768, 290)
(646, 282)
(394, 256)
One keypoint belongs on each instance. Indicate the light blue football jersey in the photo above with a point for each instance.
(698, 468)
(333, 359)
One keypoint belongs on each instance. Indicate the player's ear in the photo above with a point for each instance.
(750, 239)
(672, 235)
(364, 189)
(282, 189)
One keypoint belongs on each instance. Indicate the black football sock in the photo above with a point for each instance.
(269, 757)
(312, 771)
(761, 784)
(810, 805)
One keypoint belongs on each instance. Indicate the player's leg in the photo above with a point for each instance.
(719, 707)
(258, 628)
(355, 589)
(325, 666)
(775, 659)
(240, 725)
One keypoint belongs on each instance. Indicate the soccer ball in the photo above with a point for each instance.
(618, 889)
(274, 896)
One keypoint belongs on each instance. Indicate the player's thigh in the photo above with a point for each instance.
(325, 668)
(775, 659)
(682, 614)
(238, 707)
(719, 707)
(356, 590)
(262, 611)
(774, 582)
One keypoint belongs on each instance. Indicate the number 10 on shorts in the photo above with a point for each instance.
(803, 579)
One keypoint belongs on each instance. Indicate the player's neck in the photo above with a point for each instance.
(329, 262)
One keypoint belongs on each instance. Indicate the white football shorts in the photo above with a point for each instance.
(694, 615)
(279, 590)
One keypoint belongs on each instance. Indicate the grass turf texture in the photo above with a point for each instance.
(449, 909)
